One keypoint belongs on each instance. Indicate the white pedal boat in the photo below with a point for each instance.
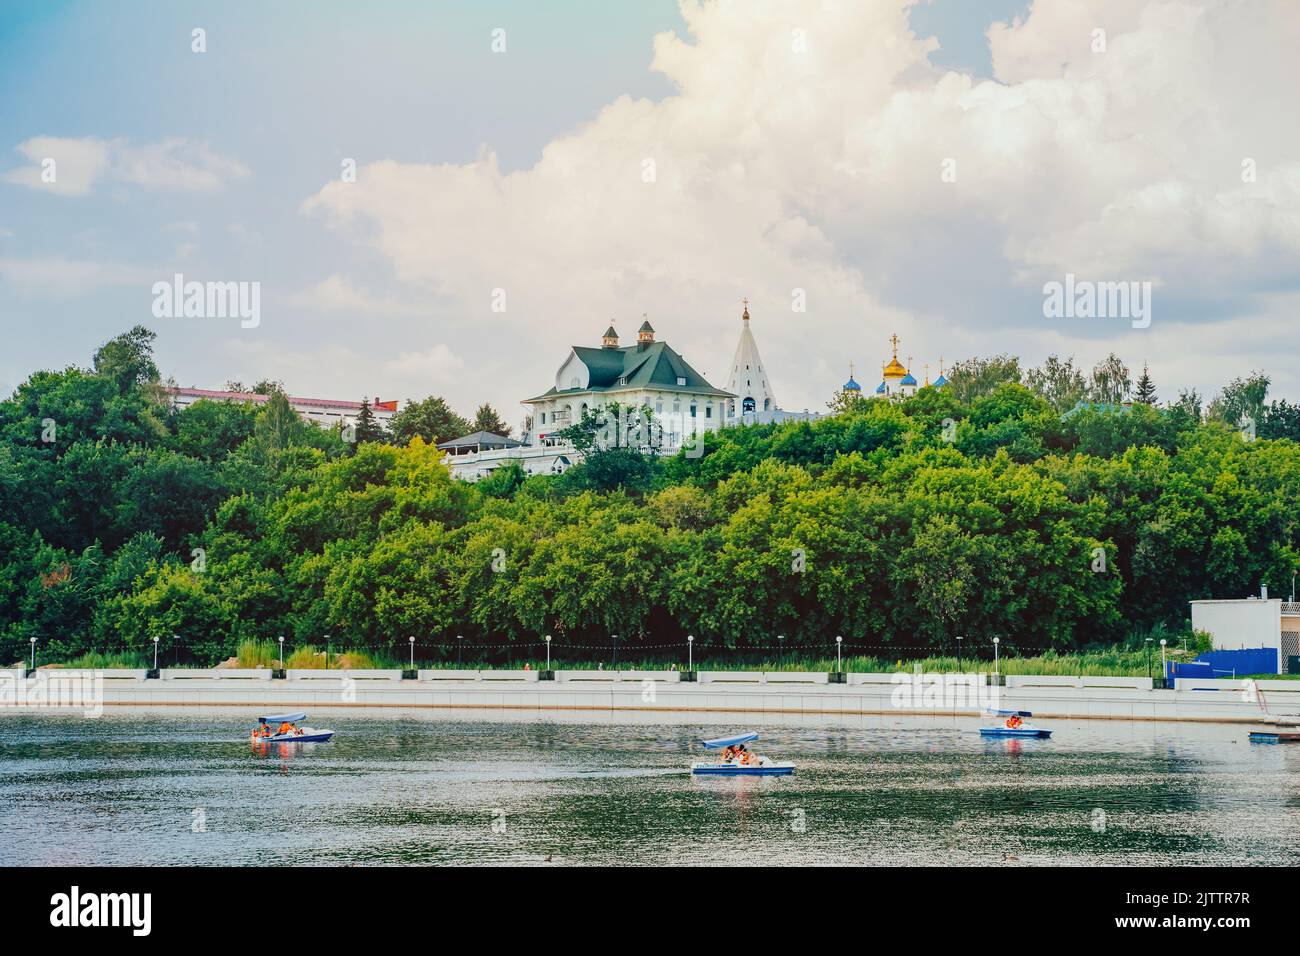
(1013, 726)
(297, 735)
(755, 765)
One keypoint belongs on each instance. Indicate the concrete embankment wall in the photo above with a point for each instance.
(718, 691)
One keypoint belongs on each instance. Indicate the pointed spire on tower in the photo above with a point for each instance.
(748, 379)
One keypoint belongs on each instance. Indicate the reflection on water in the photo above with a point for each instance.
(168, 787)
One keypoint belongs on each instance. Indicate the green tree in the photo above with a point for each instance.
(127, 360)
(1060, 383)
(1240, 399)
(368, 429)
(487, 420)
(974, 378)
(1146, 389)
(1111, 382)
(431, 419)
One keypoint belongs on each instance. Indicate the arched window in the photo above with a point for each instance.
(747, 405)
(767, 404)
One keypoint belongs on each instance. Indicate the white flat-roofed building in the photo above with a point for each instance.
(326, 411)
(1253, 622)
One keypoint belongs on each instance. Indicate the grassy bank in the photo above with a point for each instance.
(1116, 661)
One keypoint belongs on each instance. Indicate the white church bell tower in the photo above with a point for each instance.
(748, 379)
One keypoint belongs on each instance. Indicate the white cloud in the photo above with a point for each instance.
(347, 372)
(429, 371)
(58, 277)
(821, 170)
(336, 294)
(77, 164)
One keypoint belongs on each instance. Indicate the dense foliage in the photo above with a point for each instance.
(979, 511)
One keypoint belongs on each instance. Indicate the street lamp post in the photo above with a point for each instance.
(281, 652)
(1164, 670)
(548, 652)
(615, 636)
(412, 640)
(33, 653)
(1148, 658)
(995, 657)
(155, 652)
(839, 666)
(780, 642)
(959, 655)
(459, 638)
(690, 652)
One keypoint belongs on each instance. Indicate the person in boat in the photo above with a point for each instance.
(730, 753)
(1014, 722)
(285, 728)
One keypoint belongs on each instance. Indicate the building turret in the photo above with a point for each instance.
(748, 377)
(610, 339)
(646, 334)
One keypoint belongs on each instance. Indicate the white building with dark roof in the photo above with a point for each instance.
(648, 374)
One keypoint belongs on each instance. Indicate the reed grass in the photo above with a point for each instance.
(117, 660)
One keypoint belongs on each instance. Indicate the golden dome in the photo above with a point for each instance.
(895, 368)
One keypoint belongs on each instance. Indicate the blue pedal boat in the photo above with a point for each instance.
(1274, 737)
(296, 735)
(739, 762)
(1014, 726)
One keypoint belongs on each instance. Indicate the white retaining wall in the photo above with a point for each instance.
(865, 694)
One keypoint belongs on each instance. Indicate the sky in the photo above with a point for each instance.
(527, 174)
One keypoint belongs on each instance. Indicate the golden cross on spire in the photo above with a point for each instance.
(894, 339)
(746, 303)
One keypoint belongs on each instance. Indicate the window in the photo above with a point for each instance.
(543, 418)
(747, 405)
(708, 410)
(681, 381)
(692, 409)
(659, 407)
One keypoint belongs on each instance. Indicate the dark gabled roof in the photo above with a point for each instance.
(646, 326)
(483, 440)
(610, 333)
(637, 366)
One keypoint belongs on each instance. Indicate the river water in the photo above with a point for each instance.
(167, 786)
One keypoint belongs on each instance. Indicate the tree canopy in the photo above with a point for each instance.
(975, 512)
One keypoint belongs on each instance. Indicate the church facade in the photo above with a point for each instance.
(648, 374)
(755, 401)
(896, 379)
